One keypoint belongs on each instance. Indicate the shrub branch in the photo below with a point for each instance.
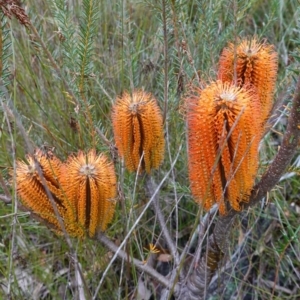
(199, 280)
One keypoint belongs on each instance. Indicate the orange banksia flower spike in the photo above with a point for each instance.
(32, 177)
(223, 139)
(256, 67)
(138, 131)
(202, 151)
(89, 184)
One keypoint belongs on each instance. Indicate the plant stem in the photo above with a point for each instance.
(286, 152)
(166, 79)
(137, 222)
(139, 264)
(150, 186)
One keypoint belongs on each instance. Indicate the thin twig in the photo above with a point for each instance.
(103, 137)
(4, 187)
(276, 112)
(150, 186)
(137, 222)
(14, 202)
(175, 201)
(53, 63)
(166, 79)
(59, 73)
(204, 226)
(285, 154)
(139, 264)
(5, 199)
(199, 230)
(235, 10)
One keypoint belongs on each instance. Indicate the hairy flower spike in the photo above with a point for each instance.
(36, 181)
(256, 67)
(89, 184)
(223, 138)
(83, 190)
(138, 131)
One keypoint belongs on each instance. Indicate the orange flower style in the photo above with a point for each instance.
(138, 131)
(256, 67)
(36, 181)
(89, 185)
(223, 139)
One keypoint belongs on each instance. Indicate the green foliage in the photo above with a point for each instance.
(5, 54)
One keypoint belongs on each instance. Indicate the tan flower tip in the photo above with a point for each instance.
(138, 130)
(88, 170)
(228, 96)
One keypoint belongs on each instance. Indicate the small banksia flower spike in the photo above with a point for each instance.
(256, 67)
(138, 131)
(35, 181)
(50, 166)
(223, 145)
(89, 184)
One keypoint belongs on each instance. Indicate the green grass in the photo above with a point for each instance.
(121, 48)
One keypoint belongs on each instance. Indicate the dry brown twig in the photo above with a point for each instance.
(12, 8)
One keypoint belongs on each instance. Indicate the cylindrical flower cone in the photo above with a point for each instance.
(256, 67)
(36, 181)
(223, 140)
(138, 131)
(89, 185)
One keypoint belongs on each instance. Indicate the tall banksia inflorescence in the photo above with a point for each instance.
(223, 139)
(83, 190)
(37, 181)
(90, 187)
(256, 67)
(138, 130)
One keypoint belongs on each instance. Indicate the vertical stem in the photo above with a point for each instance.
(84, 61)
(166, 79)
(235, 7)
(14, 201)
(133, 227)
(151, 189)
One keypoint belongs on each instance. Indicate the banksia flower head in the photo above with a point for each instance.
(36, 181)
(223, 139)
(138, 131)
(83, 191)
(256, 67)
(89, 185)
